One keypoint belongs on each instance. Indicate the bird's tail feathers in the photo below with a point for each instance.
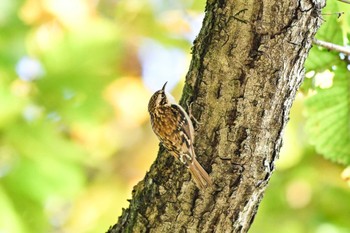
(199, 175)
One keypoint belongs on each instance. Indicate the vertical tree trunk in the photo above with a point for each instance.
(246, 67)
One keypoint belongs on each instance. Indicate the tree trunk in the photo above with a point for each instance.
(246, 67)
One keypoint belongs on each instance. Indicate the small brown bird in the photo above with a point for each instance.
(174, 129)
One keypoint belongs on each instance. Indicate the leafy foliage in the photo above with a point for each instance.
(329, 118)
(328, 108)
(41, 162)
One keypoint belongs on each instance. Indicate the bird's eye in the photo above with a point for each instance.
(163, 98)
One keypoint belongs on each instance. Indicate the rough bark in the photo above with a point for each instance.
(246, 67)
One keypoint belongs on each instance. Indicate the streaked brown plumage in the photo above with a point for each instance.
(174, 129)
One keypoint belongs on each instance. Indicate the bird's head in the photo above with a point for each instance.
(160, 98)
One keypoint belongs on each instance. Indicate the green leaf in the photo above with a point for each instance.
(336, 23)
(331, 29)
(321, 59)
(334, 30)
(328, 122)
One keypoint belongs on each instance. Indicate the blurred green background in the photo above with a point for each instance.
(75, 79)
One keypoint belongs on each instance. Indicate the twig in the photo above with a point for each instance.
(334, 13)
(345, 1)
(331, 46)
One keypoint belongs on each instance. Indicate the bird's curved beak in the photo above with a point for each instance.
(163, 88)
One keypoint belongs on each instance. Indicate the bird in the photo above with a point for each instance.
(174, 129)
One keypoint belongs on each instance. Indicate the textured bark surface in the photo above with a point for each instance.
(246, 68)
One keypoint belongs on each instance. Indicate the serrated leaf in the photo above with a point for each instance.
(328, 122)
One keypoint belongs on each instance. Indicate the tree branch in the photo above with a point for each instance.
(333, 47)
(243, 77)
